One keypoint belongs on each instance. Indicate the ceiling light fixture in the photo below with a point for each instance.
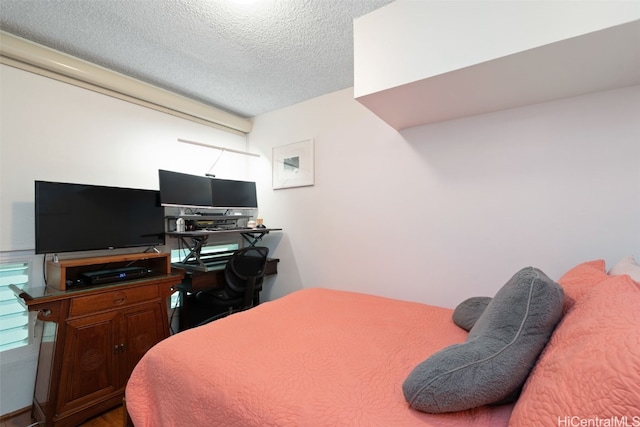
(231, 150)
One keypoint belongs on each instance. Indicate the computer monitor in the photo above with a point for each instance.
(192, 191)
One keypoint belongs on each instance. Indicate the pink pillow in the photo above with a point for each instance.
(629, 266)
(580, 279)
(591, 366)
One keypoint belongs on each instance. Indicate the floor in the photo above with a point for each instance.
(111, 418)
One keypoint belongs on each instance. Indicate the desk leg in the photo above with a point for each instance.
(252, 238)
(195, 249)
(184, 311)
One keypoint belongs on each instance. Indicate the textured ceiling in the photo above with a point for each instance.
(244, 56)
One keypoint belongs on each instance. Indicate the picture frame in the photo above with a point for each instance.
(293, 165)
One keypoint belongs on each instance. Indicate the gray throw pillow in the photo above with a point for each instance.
(467, 313)
(499, 352)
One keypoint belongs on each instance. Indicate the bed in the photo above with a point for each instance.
(322, 357)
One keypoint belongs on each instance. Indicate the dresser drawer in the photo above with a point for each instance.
(113, 299)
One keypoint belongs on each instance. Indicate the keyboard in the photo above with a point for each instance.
(221, 257)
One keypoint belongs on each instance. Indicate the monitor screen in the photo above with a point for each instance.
(78, 217)
(233, 194)
(183, 190)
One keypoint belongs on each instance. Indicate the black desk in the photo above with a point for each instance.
(195, 281)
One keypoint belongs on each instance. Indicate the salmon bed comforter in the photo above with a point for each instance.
(316, 357)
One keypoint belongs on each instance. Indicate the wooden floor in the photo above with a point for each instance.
(112, 418)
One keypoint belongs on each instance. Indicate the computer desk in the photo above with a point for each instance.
(195, 281)
(195, 240)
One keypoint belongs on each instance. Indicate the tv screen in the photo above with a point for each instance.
(184, 190)
(78, 217)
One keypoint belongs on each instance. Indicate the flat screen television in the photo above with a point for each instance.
(79, 217)
(192, 191)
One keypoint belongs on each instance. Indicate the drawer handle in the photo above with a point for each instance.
(119, 298)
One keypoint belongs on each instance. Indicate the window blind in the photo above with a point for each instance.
(14, 317)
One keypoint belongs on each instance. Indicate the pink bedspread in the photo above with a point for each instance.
(316, 357)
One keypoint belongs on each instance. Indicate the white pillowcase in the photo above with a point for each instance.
(627, 265)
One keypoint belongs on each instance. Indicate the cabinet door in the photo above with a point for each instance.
(143, 327)
(88, 366)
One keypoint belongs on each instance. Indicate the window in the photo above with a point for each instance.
(14, 317)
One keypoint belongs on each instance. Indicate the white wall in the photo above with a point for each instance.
(443, 212)
(452, 35)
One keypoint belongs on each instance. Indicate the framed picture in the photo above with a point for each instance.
(293, 165)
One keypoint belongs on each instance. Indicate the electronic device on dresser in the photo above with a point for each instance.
(80, 217)
(114, 275)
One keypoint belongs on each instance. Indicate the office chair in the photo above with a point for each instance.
(243, 274)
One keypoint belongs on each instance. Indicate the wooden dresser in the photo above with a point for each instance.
(93, 336)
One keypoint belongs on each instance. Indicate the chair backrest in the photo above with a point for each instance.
(244, 271)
